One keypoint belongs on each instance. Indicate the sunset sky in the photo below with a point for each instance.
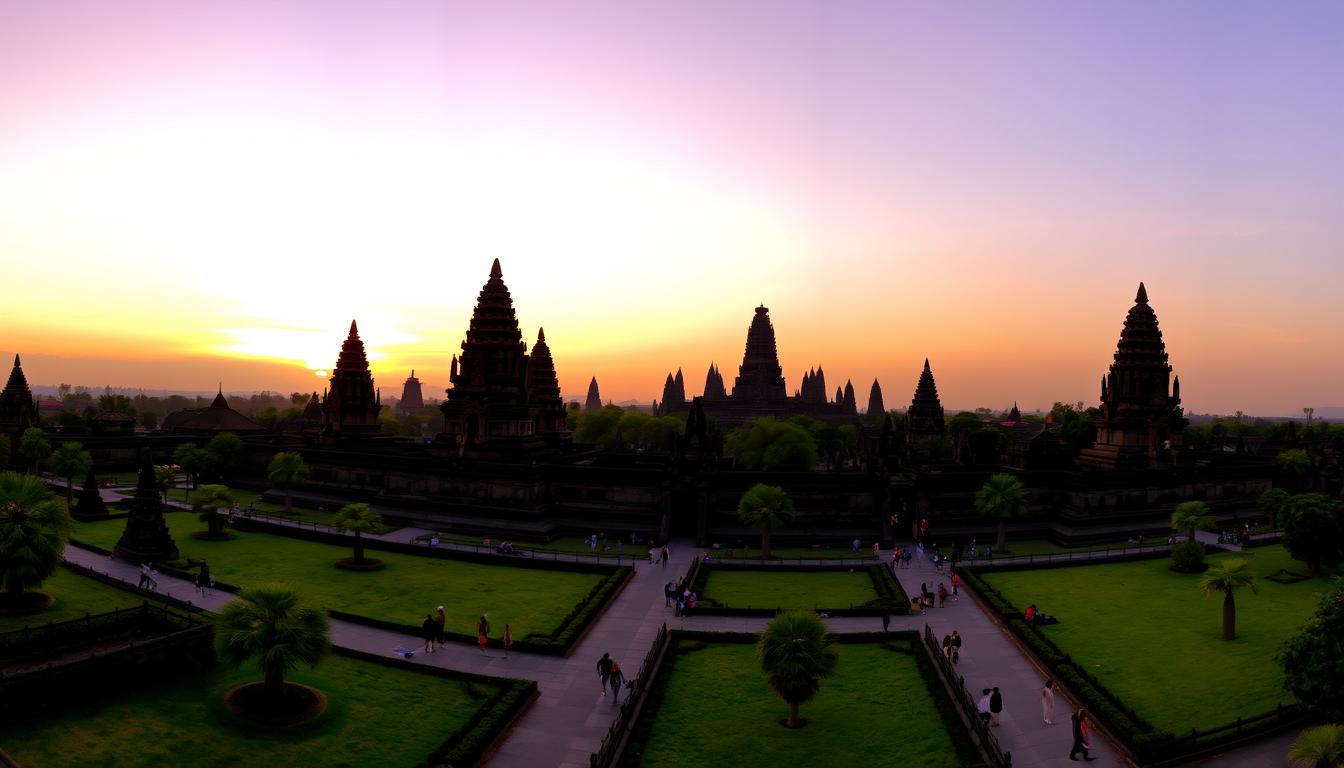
(197, 192)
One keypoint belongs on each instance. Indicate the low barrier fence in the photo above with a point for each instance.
(606, 754)
(988, 741)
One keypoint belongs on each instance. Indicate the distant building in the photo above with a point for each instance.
(352, 404)
(412, 400)
(209, 421)
(594, 400)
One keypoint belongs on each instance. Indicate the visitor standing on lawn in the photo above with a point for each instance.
(604, 665)
(995, 706)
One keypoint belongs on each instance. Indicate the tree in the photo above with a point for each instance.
(1294, 461)
(767, 444)
(268, 625)
(1312, 530)
(223, 452)
(1190, 516)
(70, 461)
(33, 532)
(765, 506)
(966, 421)
(189, 458)
(1318, 747)
(1271, 502)
(287, 469)
(1001, 497)
(34, 447)
(358, 518)
(1227, 577)
(1310, 659)
(213, 498)
(796, 655)
(165, 478)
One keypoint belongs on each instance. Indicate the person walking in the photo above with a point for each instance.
(886, 619)
(1048, 701)
(956, 586)
(982, 706)
(956, 646)
(1081, 736)
(441, 630)
(942, 595)
(995, 706)
(508, 640)
(667, 555)
(428, 630)
(615, 679)
(482, 632)
(203, 578)
(947, 646)
(604, 665)
(144, 576)
(877, 551)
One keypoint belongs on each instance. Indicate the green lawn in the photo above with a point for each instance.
(789, 589)
(244, 497)
(874, 711)
(376, 716)
(530, 599)
(1153, 639)
(75, 596)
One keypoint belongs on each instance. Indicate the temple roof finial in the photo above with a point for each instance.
(1142, 296)
(495, 271)
(541, 335)
(354, 329)
(16, 360)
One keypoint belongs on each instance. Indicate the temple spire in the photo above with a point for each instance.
(495, 272)
(1142, 296)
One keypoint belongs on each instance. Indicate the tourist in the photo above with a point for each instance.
(615, 679)
(886, 619)
(956, 646)
(877, 550)
(667, 555)
(428, 631)
(956, 586)
(947, 646)
(650, 555)
(1048, 701)
(604, 665)
(919, 550)
(482, 632)
(669, 594)
(906, 556)
(144, 576)
(1081, 736)
(508, 640)
(995, 706)
(982, 706)
(441, 632)
(942, 595)
(972, 549)
(203, 578)
(434, 540)
(855, 546)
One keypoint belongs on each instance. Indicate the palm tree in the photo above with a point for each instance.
(70, 461)
(212, 499)
(1002, 497)
(1190, 516)
(766, 506)
(33, 532)
(188, 457)
(267, 624)
(34, 447)
(796, 655)
(359, 518)
(1319, 747)
(165, 477)
(1227, 577)
(286, 469)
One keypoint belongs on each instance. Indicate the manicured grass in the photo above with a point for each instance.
(789, 589)
(244, 497)
(875, 710)
(376, 716)
(1152, 638)
(75, 596)
(531, 600)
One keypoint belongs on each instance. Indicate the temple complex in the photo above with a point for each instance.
(146, 538)
(352, 404)
(1141, 420)
(714, 388)
(594, 400)
(412, 399)
(875, 406)
(18, 411)
(924, 420)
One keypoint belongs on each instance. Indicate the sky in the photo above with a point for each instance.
(196, 193)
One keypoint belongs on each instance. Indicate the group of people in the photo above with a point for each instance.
(609, 674)
(679, 597)
(433, 631)
(662, 555)
(148, 578)
(952, 646)
(927, 598)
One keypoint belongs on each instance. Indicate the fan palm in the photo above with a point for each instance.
(1001, 497)
(33, 530)
(796, 655)
(1191, 516)
(212, 499)
(765, 506)
(1319, 747)
(69, 461)
(358, 518)
(269, 626)
(285, 470)
(1227, 577)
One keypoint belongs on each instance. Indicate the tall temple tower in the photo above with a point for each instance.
(1141, 420)
(544, 404)
(412, 398)
(924, 420)
(714, 388)
(760, 378)
(594, 400)
(875, 406)
(146, 538)
(18, 411)
(351, 407)
(848, 404)
(674, 394)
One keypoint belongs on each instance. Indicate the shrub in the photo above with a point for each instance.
(1188, 557)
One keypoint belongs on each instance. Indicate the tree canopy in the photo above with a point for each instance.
(1313, 530)
(268, 625)
(767, 444)
(1310, 658)
(33, 530)
(796, 655)
(1191, 516)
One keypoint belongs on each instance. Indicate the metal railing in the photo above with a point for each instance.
(962, 698)
(606, 753)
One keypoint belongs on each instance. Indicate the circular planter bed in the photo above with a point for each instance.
(369, 564)
(27, 604)
(297, 704)
(207, 536)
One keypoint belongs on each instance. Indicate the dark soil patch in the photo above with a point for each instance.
(296, 704)
(25, 603)
(369, 564)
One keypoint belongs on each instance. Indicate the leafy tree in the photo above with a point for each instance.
(766, 444)
(189, 458)
(34, 447)
(224, 451)
(966, 421)
(165, 478)
(112, 403)
(796, 655)
(33, 530)
(69, 461)
(213, 498)
(1227, 577)
(358, 518)
(268, 625)
(286, 470)
(765, 506)
(1271, 502)
(1310, 659)
(1318, 747)
(70, 421)
(598, 427)
(1293, 461)
(149, 420)
(1190, 516)
(1313, 531)
(1001, 497)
